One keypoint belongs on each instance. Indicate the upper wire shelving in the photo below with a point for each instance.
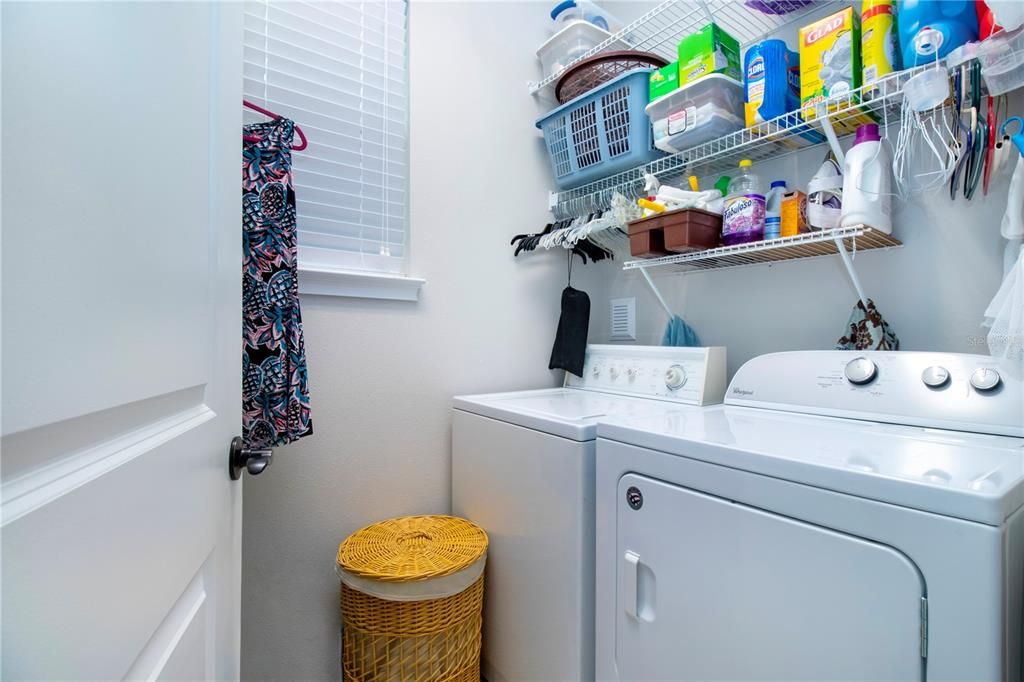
(660, 30)
(881, 101)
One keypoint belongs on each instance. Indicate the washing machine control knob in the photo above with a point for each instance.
(675, 377)
(935, 376)
(861, 371)
(985, 379)
(597, 371)
(614, 372)
(632, 372)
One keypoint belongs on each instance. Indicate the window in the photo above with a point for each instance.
(338, 69)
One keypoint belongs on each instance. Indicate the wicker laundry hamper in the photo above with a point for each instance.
(412, 592)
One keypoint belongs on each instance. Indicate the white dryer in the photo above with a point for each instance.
(523, 468)
(841, 517)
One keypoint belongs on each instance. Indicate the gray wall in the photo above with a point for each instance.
(382, 374)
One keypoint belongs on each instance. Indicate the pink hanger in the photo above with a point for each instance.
(271, 114)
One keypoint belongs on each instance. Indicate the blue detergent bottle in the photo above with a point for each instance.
(955, 20)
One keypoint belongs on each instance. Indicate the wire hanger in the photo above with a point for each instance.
(271, 114)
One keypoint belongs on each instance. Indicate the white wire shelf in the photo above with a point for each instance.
(660, 30)
(815, 244)
(880, 102)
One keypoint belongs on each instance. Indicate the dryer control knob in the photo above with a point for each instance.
(614, 372)
(597, 371)
(631, 373)
(675, 377)
(861, 371)
(935, 376)
(985, 379)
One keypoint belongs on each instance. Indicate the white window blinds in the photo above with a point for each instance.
(338, 69)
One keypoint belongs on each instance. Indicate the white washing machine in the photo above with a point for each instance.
(841, 517)
(523, 468)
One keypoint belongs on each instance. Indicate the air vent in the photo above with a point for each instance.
(623, 319)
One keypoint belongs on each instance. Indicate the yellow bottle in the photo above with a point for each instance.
(878, 46)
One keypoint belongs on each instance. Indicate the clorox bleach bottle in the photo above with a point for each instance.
(867, 182)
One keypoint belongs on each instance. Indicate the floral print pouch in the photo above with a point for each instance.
(867, 330)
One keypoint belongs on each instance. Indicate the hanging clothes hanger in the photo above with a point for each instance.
(267, 112)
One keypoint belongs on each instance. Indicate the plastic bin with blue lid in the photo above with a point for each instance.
(600, 133)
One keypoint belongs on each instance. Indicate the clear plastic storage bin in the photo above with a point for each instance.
(698, 112)
(601, 132)
(571, 43)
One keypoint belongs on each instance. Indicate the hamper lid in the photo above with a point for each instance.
(412, 548)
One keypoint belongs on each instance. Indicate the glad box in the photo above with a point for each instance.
(830, 64)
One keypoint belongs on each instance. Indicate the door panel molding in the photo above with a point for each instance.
(185, 615)
(42, 486)
(30, 449)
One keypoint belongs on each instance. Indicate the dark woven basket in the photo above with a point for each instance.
(588, 74)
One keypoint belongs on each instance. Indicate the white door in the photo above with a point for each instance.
(121, 339)
(710, 589)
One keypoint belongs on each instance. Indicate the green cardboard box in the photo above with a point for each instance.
(709, 50)
(664, 80)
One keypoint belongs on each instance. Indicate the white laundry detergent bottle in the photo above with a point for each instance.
(867, 183)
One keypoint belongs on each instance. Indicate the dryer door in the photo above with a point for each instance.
(710, 589)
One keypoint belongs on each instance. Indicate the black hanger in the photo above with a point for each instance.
(584, 248)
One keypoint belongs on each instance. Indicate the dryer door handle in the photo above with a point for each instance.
(638, 588)
(631, 573)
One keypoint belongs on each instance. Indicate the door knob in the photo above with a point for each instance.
(252, 460)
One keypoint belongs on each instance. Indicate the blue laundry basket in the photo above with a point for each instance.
(600, 133)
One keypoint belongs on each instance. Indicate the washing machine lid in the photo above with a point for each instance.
(567, 412)
(977, 477)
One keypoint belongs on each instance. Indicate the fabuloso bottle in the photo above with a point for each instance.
(743, 217)
(879, 52)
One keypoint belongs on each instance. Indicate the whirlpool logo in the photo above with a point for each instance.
(741, 391)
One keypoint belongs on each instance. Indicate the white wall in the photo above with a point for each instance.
(382, 373)
(932, 291)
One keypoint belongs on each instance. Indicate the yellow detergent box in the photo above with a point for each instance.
(829, 58)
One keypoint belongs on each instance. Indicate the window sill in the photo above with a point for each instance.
(324, 281)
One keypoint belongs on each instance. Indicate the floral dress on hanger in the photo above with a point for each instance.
(275, 393)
